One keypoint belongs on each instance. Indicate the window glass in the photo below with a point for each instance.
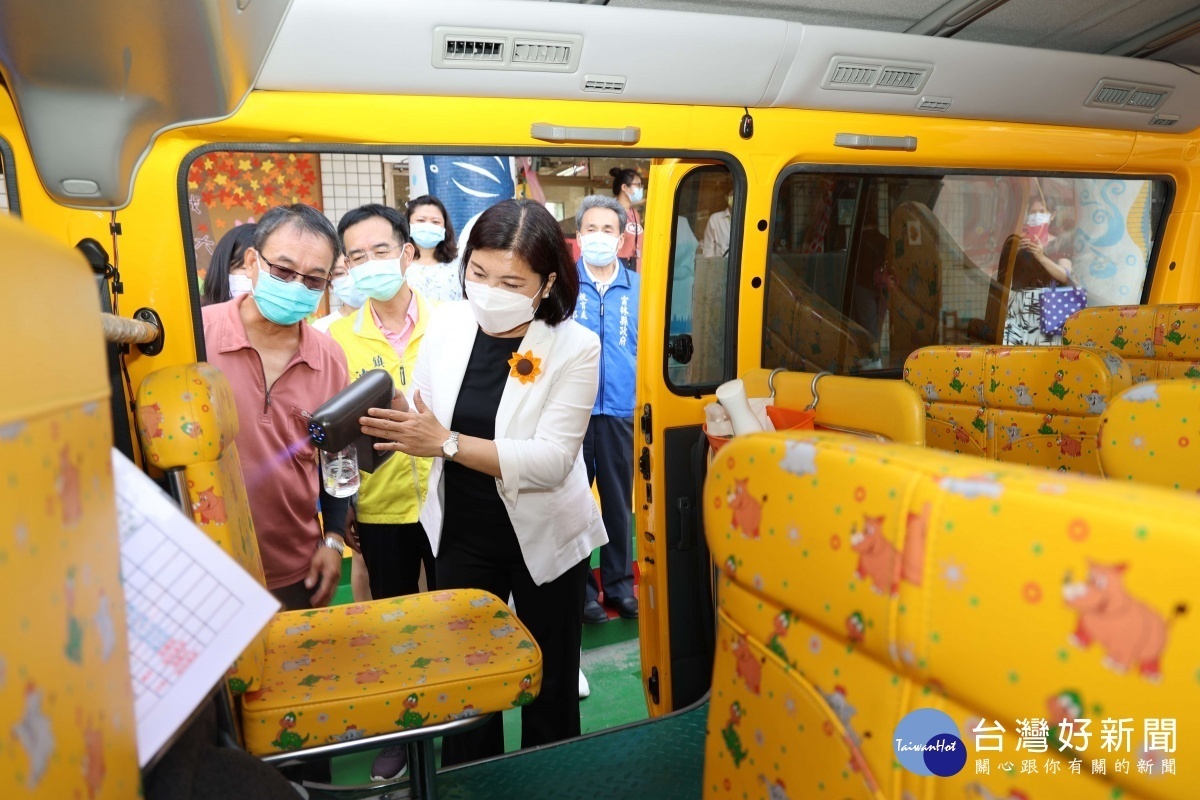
(8, 184)
(864, 268)
(705, 230)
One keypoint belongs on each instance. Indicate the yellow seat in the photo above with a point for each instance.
(1151, 434)
(1158, 342)
(803, 332)
(863, 581)
(885, 409)
(344, 673)
(1027, 405)
(66, 699)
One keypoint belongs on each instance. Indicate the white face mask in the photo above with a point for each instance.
(499, 310)
(240, 284)
(598, 249)
(1038, 218)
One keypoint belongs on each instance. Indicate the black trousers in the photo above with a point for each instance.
(294, 596)
(608, 456)
(553, 612)
(394, 554)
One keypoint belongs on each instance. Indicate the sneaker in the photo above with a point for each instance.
(584, 689)
(390, 764)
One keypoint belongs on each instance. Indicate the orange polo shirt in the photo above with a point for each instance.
(279, 463)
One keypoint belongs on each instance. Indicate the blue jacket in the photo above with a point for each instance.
(614, 318)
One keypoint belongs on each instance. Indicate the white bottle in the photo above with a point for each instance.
(732, 397)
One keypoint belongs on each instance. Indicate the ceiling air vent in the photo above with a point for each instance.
(1164, 120)
(604, 84)
(461, 48)
(866, 75)
(1124, 96)
(485, 48)
(934, 103)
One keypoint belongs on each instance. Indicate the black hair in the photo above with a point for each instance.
(527, 230)
(622, 177)
(306, 218)
(364, 213)
(228, 255)
(447, 249)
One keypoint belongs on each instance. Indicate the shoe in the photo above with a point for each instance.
(627, 607)
(390, 764)
(594, 613)
(584, 689)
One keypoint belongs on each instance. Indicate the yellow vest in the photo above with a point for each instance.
(394, 493)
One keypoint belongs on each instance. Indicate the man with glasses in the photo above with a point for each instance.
(386, 333)
(281, 370)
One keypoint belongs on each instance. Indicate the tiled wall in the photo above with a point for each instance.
(349, 180)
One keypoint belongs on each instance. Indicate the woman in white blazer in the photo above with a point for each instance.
(506, 381)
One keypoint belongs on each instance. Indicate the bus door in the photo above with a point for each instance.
(688, 347)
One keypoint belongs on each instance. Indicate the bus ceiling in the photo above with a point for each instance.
(95, 83)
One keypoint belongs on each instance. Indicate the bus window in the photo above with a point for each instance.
(704, 235)
(8, 181)
(864, 268)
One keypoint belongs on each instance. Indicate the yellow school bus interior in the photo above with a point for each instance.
(949, 248)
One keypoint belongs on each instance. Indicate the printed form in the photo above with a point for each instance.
(190, 609)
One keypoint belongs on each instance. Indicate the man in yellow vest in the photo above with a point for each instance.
(385, 333)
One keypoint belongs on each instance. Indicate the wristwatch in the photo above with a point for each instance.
(450, 446)
(334, 543)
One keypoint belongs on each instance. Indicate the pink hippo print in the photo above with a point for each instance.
(1131, 633)
(749, 668)
(479, 657)
(747, 510)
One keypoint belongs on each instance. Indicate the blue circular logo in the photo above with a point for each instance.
(927, 743)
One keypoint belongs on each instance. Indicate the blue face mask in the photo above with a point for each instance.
(379, 279)
(636, 194)
(283, 302)
(598, 249)
(345, 290)
(427, 235)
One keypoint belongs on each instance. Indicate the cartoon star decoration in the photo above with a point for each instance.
(525, 368)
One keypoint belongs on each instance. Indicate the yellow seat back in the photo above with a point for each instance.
(1027, 405)
(804, 332)
(1159, 342)
(886, 409)
(1151, 434)
(188, 422)
(864, 581)
(66, 699)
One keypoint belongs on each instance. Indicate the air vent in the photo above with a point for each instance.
(1123, 96)
(471, 48)
(866, 75)
(525, 52)
(1164, 120)
(934, 103)
(896, 78)
(854, 75)
(464, 49)
(604, 84)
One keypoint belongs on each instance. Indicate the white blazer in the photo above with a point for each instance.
(539, 436)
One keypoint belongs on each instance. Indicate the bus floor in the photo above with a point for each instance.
(611, 661)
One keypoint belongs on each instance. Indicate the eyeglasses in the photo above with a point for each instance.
(359, 257)
(314, 282)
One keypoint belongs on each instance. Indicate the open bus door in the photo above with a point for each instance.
(688, 347)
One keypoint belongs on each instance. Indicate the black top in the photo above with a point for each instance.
(475, 516)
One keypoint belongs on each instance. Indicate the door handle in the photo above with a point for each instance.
(566, 133)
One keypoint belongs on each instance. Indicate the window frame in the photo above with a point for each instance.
(735, 167)
(732, 283)
(871, 171)
(10, 177)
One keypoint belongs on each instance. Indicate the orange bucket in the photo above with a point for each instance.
(788, 419)
(716, 442)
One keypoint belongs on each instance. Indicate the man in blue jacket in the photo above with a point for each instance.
(608, 305)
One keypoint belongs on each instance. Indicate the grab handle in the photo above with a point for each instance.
(566, 133)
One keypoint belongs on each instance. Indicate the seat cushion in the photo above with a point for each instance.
(346, 672)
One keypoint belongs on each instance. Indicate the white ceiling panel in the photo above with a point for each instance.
(892, 15)
(1084, 26)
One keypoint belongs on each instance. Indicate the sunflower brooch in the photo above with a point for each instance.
(525, 368)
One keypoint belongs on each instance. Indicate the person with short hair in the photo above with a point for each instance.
(506, 382)
(434, 271)
(280, 371)
(226, 276)
(344, 296)
(608, 306)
